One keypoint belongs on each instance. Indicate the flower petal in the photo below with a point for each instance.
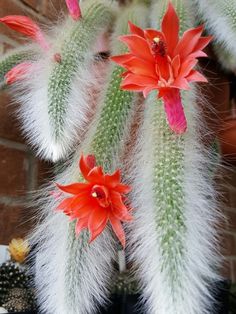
(139, 80)
(186, 67)
(170, 28)
(80, 225)
(202, 43)
(195, 76)
(181, 83)
(135, 29)
(188, 42)
(151, 33)
(122, 59)
(82, 202)
(74, 9)
(17, 73)
(118, 207)
(112, 180)
(74, 188)
(123, 189)
(96, 175)
(175, 64)
(174, 111)
(118, 229)
(132, 87)
(25, 26)
(138, 46)
(86, 165)
(141, 67)
(97, 217)
(81, 210)
(65, 204)
(96, 233)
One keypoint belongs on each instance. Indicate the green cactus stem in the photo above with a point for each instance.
(173, 230)
(11, 59)
(105, 141)
(75, 50)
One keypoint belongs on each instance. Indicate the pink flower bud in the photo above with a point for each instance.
(74, 9)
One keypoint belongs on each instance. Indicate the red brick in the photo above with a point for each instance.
(232, 219)
(34, 4)
(233, 265)
(226, 269)
(13, 172)
(44, 172)
(217, 94)
(51, 9)
(228, 245)
(233, 199)
(9, 125)
(14, 222)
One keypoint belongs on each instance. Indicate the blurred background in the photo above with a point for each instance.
(21, 172)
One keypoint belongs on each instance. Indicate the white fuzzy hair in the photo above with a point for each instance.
(90, 266)
(32, 94)
(73, 277)
(219, 18)
(198, 270)
(63, 265)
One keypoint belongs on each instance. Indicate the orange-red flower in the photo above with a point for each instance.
(25, 26)
(160, 60)
(97, 201)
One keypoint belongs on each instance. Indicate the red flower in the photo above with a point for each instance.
(97, 201)
(25, 26)
(17, 73)
(160, 60)
(74, 9)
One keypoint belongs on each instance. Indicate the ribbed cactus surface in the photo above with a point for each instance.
(105, 141)
(172, 236)
(74, 52)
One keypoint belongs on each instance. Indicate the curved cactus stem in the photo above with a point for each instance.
(80, 274)
(11, 59)
(60, 90)
(74, 52)
(172, 239)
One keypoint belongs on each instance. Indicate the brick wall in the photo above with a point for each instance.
(228, 193)
(21, 173)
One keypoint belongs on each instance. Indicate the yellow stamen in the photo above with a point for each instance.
(94, 194)
(156, 40)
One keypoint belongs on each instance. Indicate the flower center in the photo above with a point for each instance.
(158, 47)
(101, 194)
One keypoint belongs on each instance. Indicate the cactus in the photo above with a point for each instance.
(172, 240)
(11, 59)
(78, 277)
(220, 20)
(57, 104)
(173, 237)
